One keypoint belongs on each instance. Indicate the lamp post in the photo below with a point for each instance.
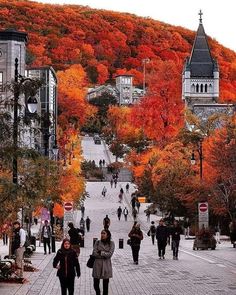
(145, 61)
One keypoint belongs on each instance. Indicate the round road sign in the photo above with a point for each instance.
(203, 207)
(68, 206)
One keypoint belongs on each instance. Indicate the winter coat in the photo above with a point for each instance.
(175, 232)
(136, 236)
(162, 233)
(102, 268)
(68, 263)
(75, 238)
(152, 230)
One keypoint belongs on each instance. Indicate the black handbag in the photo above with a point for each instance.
(90, 261)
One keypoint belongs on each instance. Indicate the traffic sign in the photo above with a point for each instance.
(203, 207)
(68, 206)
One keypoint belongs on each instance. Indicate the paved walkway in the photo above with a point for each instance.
(196, 272)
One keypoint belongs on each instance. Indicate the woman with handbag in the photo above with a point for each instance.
(67, 263)
(102, 268)
(136, 236)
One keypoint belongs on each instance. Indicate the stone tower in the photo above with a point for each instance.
(200, 79)
(124, 84)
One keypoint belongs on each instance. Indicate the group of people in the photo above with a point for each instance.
(124, 211)
(114, 179)
(102, 163)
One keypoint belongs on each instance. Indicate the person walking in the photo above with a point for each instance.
(217, 234)
(104, 191)
(67, 264)
(152, 232)
(136, 236)
(119, 211)
(103, 162)
(148, 213)
(134, 213)
(115, 182)
(127, 188)
(175, 233)
(82, 225)
(111, 182)
(88, 222)
(46, 235)
(133, 201)
(125, 212)
(120, 197)
(75, 238)
(4, 230)
(186, 228)
(106, 222)
(161, 236)
(121, 191)
(137, 204)
(82, 208)
(102, 268)
(18, 247)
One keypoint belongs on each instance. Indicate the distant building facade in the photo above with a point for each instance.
(200, 80)
(124, 91)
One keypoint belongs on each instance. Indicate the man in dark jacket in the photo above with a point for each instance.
(175, 232)
(75, 238)
(119, 211)
(46, 237)
(162, 235)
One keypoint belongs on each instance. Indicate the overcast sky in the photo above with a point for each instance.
(219, 17)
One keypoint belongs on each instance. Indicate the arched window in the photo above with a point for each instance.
(210, 88)
(197, 88)
(201, 88)
(192, 88)
(205, 87)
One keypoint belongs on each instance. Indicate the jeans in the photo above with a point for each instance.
(161, 248)
(96, 283)
(135, 252)
(67, 283)
(175, 247)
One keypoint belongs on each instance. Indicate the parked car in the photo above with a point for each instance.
(97, 139)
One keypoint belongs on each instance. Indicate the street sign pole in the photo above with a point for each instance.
(68, 216)
(203, 215)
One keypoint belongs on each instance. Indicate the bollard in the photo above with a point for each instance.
(94, 241)
(121, 243)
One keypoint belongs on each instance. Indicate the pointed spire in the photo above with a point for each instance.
(200, 14)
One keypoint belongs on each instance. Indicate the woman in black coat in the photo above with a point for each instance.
(136, 236)
(67, 263)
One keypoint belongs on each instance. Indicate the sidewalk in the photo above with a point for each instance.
(196, 272)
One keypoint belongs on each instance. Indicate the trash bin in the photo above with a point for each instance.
(94, 240)
(121, 243)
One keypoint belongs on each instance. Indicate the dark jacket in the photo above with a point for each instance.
(162, 233)
(136, 236)
(175, 232)
(74, 236)
(69, 263)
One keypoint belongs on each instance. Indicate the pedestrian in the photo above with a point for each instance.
(119, 211)
(5, 229)
(148, 213)
(104, 191)
(88, 222)
(46, 235)
(186, 227)
(127, 188)
(175, 233)
(103, 162)
(115, 182)
(122, 191)
(111, 182)
(106, 222)
(133, 201)
(217, 234)
(35, 220)
(75, 238)
(102, 268)
(100, 163)
(136, 236)
(152, 232)
(18, 247)
(232, 231)
(137, 204)
(67, 264)
(161, 236)
(134, 213)
(125, 212)
(82, 225)
(82, 208)
(120, 197)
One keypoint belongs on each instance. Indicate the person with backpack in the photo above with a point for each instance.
(18, 247)
(125, 212)
(152, 232)
(75, 238)
(46, 235)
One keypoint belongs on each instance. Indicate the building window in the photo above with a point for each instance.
(210, 88)
(197, 88)
(201, 88)
(193, 88)
(1, 81)
(205, 87)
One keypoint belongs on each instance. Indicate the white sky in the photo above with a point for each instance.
(219, 17)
